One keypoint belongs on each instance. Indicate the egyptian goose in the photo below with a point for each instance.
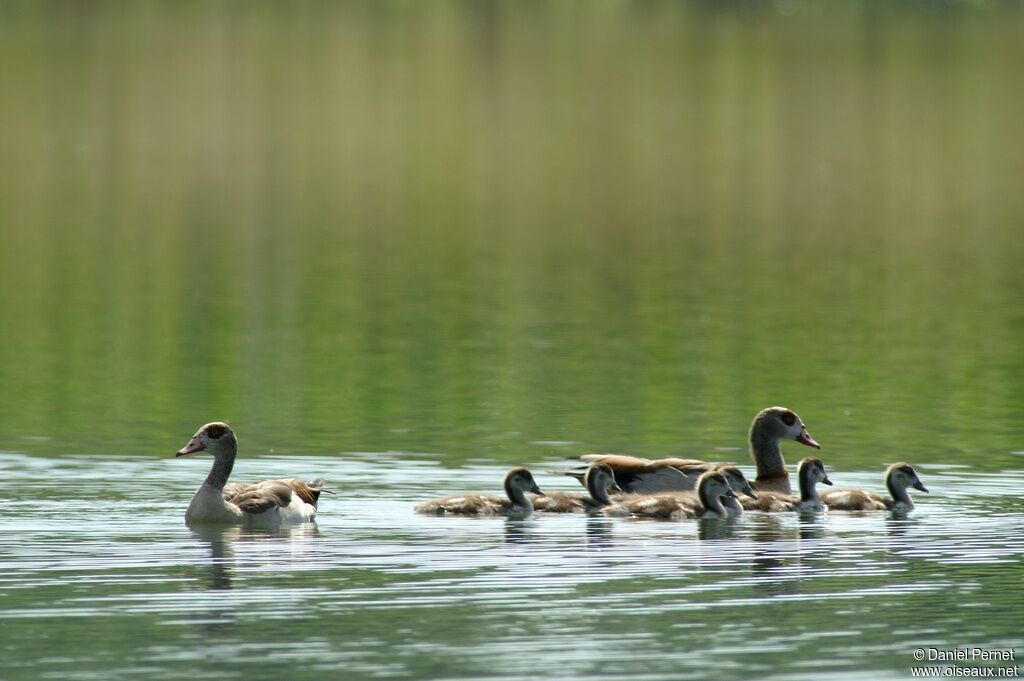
(898, 477)
(599, 480)
(809, 472)
(518, 481)
(706, 504)
(268, 503)
(769, 428)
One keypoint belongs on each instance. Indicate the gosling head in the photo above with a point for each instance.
(900, 476)
(812, 469)
(712, 485)
(519, 480)
(737, 481)
(783, 424)
(600, 476)
(216, 438)
(600, 481)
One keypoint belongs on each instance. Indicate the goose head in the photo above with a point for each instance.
(217, 438)
(780, 423)
(900, 476)
(810, 471)
(600, 480)
(518, 481)
(737, 481)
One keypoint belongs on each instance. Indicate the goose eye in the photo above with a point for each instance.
(215, 432)
(788, 417)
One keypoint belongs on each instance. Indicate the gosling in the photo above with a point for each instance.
(599, 481)
(518, 481)
(810, 471)
(707, 504)
(898, 477)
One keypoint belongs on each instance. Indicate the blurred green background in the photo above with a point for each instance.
(466, 228)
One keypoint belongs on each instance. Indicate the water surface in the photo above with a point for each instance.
(103, 580)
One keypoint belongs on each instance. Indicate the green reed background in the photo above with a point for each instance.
(462, 227)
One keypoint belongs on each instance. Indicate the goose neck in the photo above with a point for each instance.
(518, 497)
(808, 488)
(223, 462)
(598, 489)
(766, 453)
(732, 505)
(710, 502)
(899, 492)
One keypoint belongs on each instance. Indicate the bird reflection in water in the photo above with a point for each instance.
(774, 572)
(810, 525)
(598, 533)
(220, 543)
(899, 527)
(225, 542)
(716, 528)
(518, 529)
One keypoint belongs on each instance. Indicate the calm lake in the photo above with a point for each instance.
(404, 246)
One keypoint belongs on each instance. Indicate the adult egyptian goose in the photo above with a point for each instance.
(898, 477)
(599, 480)
(707, 503)
(518, 481)
(264, 504)
(809, 472)
(767, 431)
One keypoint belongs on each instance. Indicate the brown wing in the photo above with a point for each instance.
(691, 469)
(651, 478)
(473, 503)
(655, 506)
(854, 500)
(614, 460)
(309, 492)
(259, 497)
(643, 476)
(770, 502)
(685, 463)
(561, 502)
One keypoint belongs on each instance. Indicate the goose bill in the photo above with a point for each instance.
(805, 438)
(194, 445)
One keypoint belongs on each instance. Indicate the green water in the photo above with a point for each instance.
(467, 235)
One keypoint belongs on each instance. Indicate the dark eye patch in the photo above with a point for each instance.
(788, 417)
(215, 432)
